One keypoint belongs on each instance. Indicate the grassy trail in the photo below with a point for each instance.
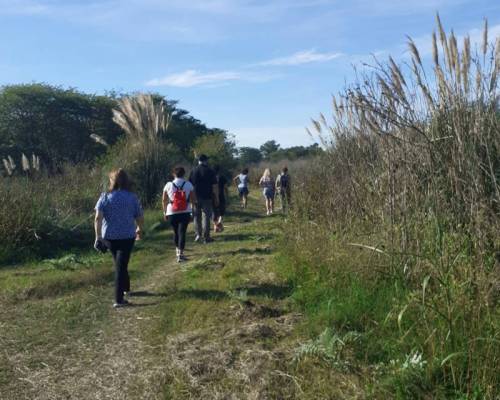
(220, 326)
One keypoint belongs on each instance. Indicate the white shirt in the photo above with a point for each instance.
(170, 190)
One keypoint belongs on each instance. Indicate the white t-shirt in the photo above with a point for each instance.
(170, 190)
(243, 181)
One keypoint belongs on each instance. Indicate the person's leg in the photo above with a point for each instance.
(174, 222)
(216, 216)
(197, 211)
(245, 195)
(241, 194)
(182, 229)
(207, 216)
(121, 249)
(128, 245)
(222, 209)
(283, 201)
(113, 247)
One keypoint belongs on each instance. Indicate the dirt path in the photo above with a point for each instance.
(216, 327)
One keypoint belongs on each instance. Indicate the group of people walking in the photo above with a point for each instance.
(271, 186)
(119, 218)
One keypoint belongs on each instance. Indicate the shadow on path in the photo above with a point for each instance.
(270, 290)
(146, 293)
(228, 237)
(204, 294)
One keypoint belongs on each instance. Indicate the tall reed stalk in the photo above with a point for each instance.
(413, 173)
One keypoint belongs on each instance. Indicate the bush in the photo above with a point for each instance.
(41, 214)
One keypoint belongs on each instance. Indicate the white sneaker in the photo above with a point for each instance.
(197, 238)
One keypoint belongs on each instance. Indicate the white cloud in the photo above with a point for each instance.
(191, 78)
(22, 7)
(301, 57)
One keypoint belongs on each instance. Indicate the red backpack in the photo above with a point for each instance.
(179, 199)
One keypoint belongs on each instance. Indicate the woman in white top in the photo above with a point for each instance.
(242, 180)
(267, 183)
(178, 199)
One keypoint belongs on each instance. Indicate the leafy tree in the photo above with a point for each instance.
(218, 147)
(249, 155)
(269, 148)
(55, 124)
(296, 152)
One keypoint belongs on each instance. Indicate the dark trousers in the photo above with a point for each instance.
(285, 199)
(121, 249)
(180, 224)
(202, 215)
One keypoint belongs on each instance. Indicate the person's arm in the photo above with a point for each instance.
(140, 227)
(139, 219)
(192, 198)
(235, 179)
(278, 182)
(164, 203)
(98, 225)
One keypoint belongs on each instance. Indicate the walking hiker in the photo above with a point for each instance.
(220, 211)
(119, 221)
(207, 196)
(242, 180)
(267, 183)
(283, 187)
(178, 198)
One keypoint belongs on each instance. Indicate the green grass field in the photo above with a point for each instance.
(220, 326)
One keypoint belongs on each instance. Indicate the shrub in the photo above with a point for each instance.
(41, 214)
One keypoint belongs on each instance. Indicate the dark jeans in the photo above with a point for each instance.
(180, 224)
(285, 199)
(121, 249)
(204, 209)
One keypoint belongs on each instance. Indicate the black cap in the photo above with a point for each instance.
(203, 158)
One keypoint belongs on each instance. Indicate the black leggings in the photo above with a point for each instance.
(179, 224)
(121, 249)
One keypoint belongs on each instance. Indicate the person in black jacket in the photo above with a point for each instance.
(206, 189)
(220, 211)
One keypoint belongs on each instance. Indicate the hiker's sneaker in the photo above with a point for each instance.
(208, 240)
(124, 303)
(182, 257)
(179, 259)
(197, 238)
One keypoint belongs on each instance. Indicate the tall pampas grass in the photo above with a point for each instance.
(414, 158)
(144, 150)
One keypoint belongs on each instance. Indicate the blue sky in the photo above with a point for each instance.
(260, 69)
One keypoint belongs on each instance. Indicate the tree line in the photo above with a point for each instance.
(61, 125)
(54, 126)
